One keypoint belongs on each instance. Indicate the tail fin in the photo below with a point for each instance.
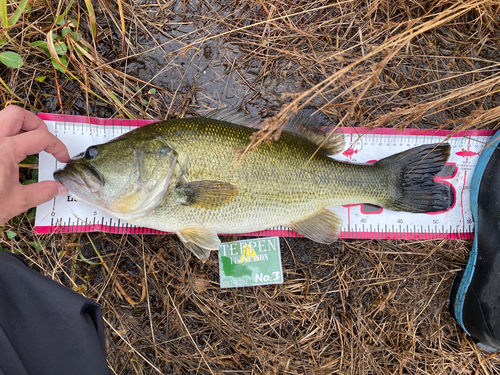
(413, 173)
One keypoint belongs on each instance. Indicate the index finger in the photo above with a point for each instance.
(14, 119)
(38, 140)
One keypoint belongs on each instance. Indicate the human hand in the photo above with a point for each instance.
(23, 133)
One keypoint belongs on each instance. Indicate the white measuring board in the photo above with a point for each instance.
(359, 221)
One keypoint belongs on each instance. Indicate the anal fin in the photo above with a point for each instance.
(199, 241)
(323, 226)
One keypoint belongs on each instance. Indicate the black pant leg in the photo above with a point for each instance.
(46, 328)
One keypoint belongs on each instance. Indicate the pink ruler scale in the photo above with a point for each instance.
(64, 214)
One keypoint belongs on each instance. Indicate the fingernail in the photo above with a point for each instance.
(63, 191)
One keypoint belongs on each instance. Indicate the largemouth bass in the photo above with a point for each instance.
(188, 176)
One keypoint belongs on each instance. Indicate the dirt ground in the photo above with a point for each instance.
(353, 307)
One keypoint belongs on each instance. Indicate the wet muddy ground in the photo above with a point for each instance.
(191, 52)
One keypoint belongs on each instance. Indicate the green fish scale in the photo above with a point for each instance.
(278, 182)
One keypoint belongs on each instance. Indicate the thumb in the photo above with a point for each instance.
(35, 194)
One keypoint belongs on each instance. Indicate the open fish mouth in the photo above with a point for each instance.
(72, 177)
(68, 173)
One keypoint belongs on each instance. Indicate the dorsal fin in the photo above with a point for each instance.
(308, 117)
(234, 116)
(309, 123)
(330, 144)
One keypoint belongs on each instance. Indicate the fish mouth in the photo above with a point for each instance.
(69, 172)
(79, 176)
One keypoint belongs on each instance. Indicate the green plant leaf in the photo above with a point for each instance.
(11, 59)
(41, 44)
(152, 91)
(61, 48)
(30, 159)
(92, 19)
(3, 13)
(37, 245)
(41, 78)
(33, 179)
(57, 66)
(75, 36)
(80, 48)
(20, 9)
(88, 261)
(60, 20)
(10, 234)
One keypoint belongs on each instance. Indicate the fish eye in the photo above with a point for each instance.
(92, 152)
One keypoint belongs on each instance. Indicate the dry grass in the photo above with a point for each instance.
(355, 307)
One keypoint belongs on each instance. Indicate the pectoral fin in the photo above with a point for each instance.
(206, 194)
(323, 226)
(199, 241)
